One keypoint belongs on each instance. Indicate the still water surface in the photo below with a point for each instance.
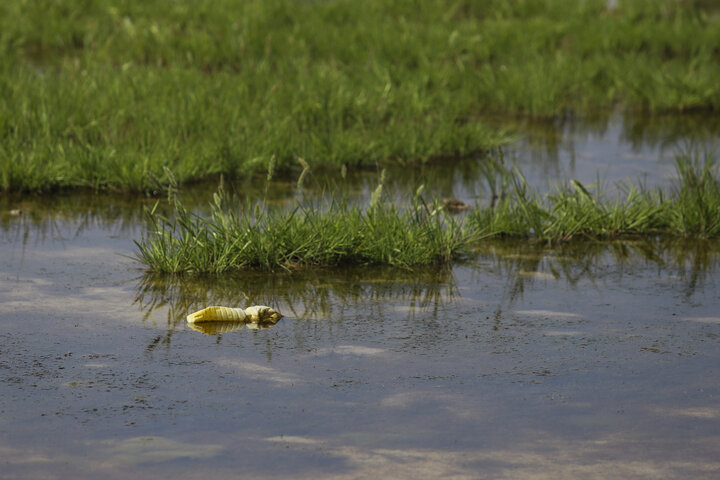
(523, 362)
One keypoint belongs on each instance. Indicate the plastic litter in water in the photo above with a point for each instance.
(258, 314)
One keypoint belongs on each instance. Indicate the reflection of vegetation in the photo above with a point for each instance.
(522, 263)
(639, 132)
(62, 217)
(330, 297)
(314, 294)
(420, 234)
(105, 94)
(668, 131)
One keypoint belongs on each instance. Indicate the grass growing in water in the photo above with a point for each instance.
(105, 95)
(253, 238)
(267, 240)
(691, 208)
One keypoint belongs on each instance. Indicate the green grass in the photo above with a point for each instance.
(240, 237)
(109, 95)
(691, 208)
(257, 238)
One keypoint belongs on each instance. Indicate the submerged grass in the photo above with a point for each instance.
(104, 94)
(234, 238)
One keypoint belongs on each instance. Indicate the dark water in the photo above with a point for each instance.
(523, 362)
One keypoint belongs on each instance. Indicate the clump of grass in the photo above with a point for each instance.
(262, 239)
(695, 207)
(385, 234)
(691, 208)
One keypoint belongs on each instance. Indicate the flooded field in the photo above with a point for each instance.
(601, 361)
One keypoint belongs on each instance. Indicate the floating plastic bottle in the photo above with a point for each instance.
(257, 316)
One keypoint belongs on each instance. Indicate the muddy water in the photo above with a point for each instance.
(522, 362)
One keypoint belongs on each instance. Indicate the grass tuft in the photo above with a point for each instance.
(270, 240)
(691, 208)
